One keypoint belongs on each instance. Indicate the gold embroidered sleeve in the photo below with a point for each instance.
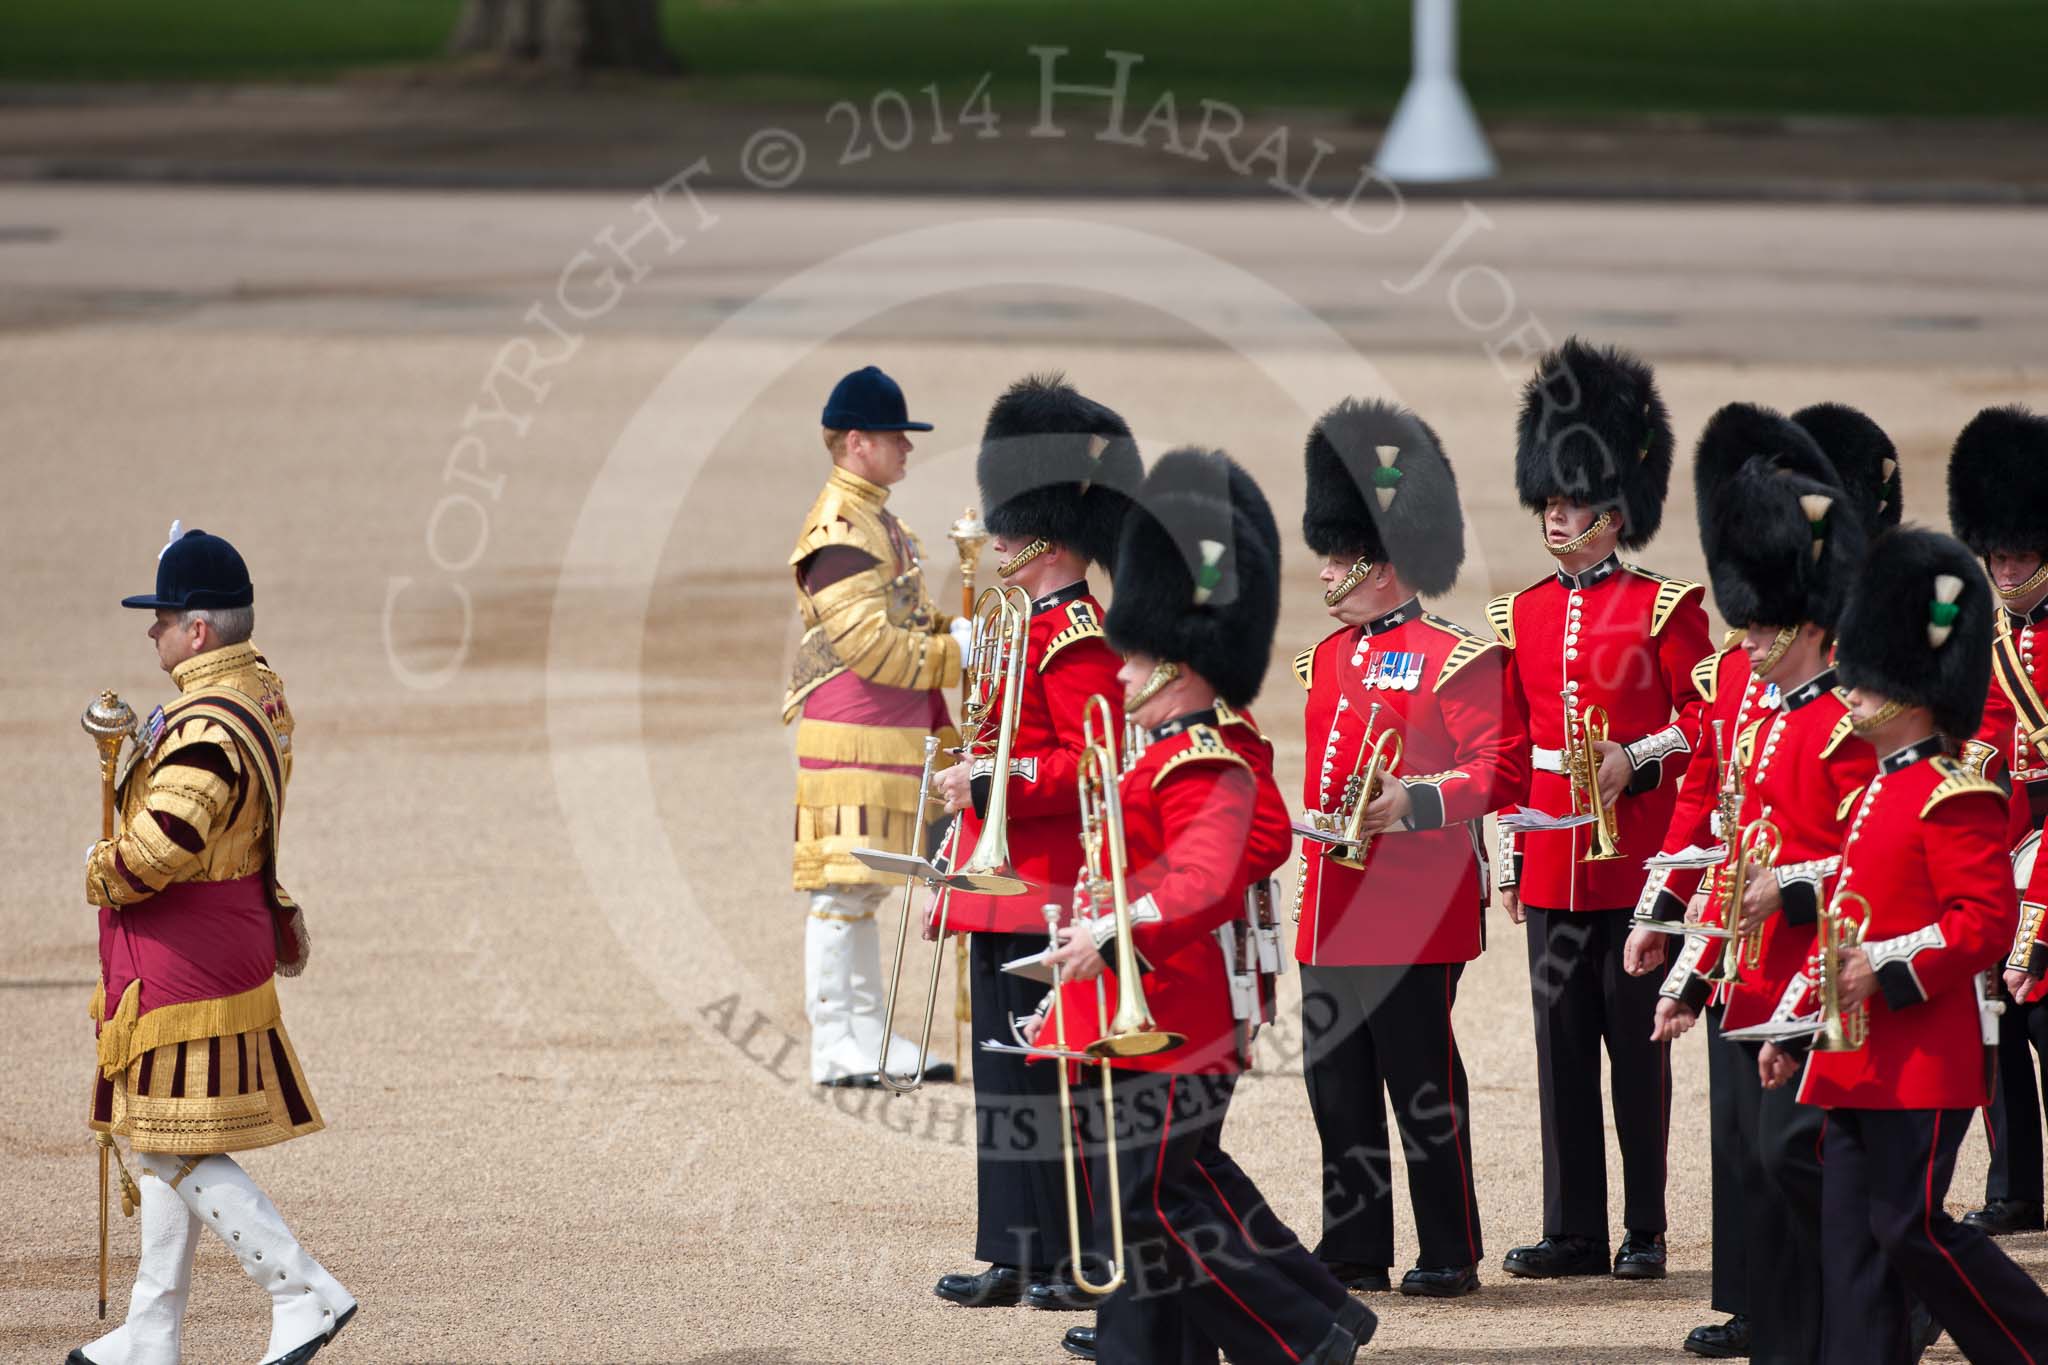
(854, 614)
(194, 795)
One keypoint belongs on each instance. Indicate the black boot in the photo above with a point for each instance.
(1080, 1341)
(1721, 1340)
(1000, 1286)
(1641, 1257)
(1554, 1257)
(1059, 1296)
(1347, 1336)
(1452, 1282)
(2002, 1217)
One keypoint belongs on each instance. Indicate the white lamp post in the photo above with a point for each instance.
(1435, 136)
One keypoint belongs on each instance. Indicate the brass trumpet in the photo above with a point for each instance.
(1841, 927)
(931, 999)
(1361, 789)
(1582, 765)
(1758, 844)
(1130, 1031)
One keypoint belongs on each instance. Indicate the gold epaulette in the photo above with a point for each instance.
(1706, 674)
(1745, 743)
(1462, 653)
(1226, 714)
(1204, 745)
(1082, 624)
(1670, 592)
(1305, 667)
(1848, 804)
(1844, 727)
(1956, 780)
(1500, 614)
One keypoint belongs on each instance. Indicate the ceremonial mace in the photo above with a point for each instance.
(968, 536)
(109, 721)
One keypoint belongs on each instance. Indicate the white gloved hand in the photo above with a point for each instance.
(962, 631)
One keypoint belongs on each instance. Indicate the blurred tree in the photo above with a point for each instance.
(573, 35)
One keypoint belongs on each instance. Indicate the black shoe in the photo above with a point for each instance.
(1554, 1257)
(1366, 1279)
(1000, 1286)
(1641, 1257)
(300, 1355)
(1059, 1296)
(2001, 1217)
(1452, 1282)
(77, 1358)
(1922, 1331)
(1721, 1340)
(1347, 1336)
(1080, 1341)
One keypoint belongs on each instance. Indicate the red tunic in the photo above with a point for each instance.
(1067, 661)
(1805, 771)
(1625, 639)
(1926, 848)
(2023, 759)
(1200, 824)
(1464, 753)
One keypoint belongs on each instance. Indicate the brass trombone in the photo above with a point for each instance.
(1583, 731)
(994, 672)
(1130, 1031)
(1841, 927)
(1758, 844)
(1002, 628)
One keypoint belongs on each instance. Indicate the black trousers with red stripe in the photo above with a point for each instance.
(1208, 1267)
(1777, 1153)
(1020, 1208)
(2015, 1110)
(1887, 1171)
(1380, 1034)
(1585, 1002)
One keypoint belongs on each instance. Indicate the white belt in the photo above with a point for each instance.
(1547, 760)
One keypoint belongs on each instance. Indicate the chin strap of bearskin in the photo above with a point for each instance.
(1162, 677)
(1350, 581)
(1580, 542)
(1023, 557)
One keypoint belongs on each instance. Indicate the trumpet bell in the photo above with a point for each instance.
(988, 883)
(1142, 1042)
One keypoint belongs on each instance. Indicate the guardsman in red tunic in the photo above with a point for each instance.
(1926, 875)
(1749, 473)
(1382, 946)
(1613, 647)
(194, 1061)
(1998, 505)
(1208, 1266)
(1054, 470)
(1783, 540)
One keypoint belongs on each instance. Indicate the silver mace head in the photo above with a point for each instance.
(108, 720)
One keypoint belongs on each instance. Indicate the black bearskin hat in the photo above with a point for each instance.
(1594, 430)
(1197, 578)
(1782, 538)
(1380, 489)
(1057, 465)
(1865, 460)
(1917, 628)
(1998, 482)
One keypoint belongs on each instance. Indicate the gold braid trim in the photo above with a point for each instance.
(855, 787)
(1844, 727)
(124, 1037)
(1462, 653)
(1670, 592)
(1305, 667)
